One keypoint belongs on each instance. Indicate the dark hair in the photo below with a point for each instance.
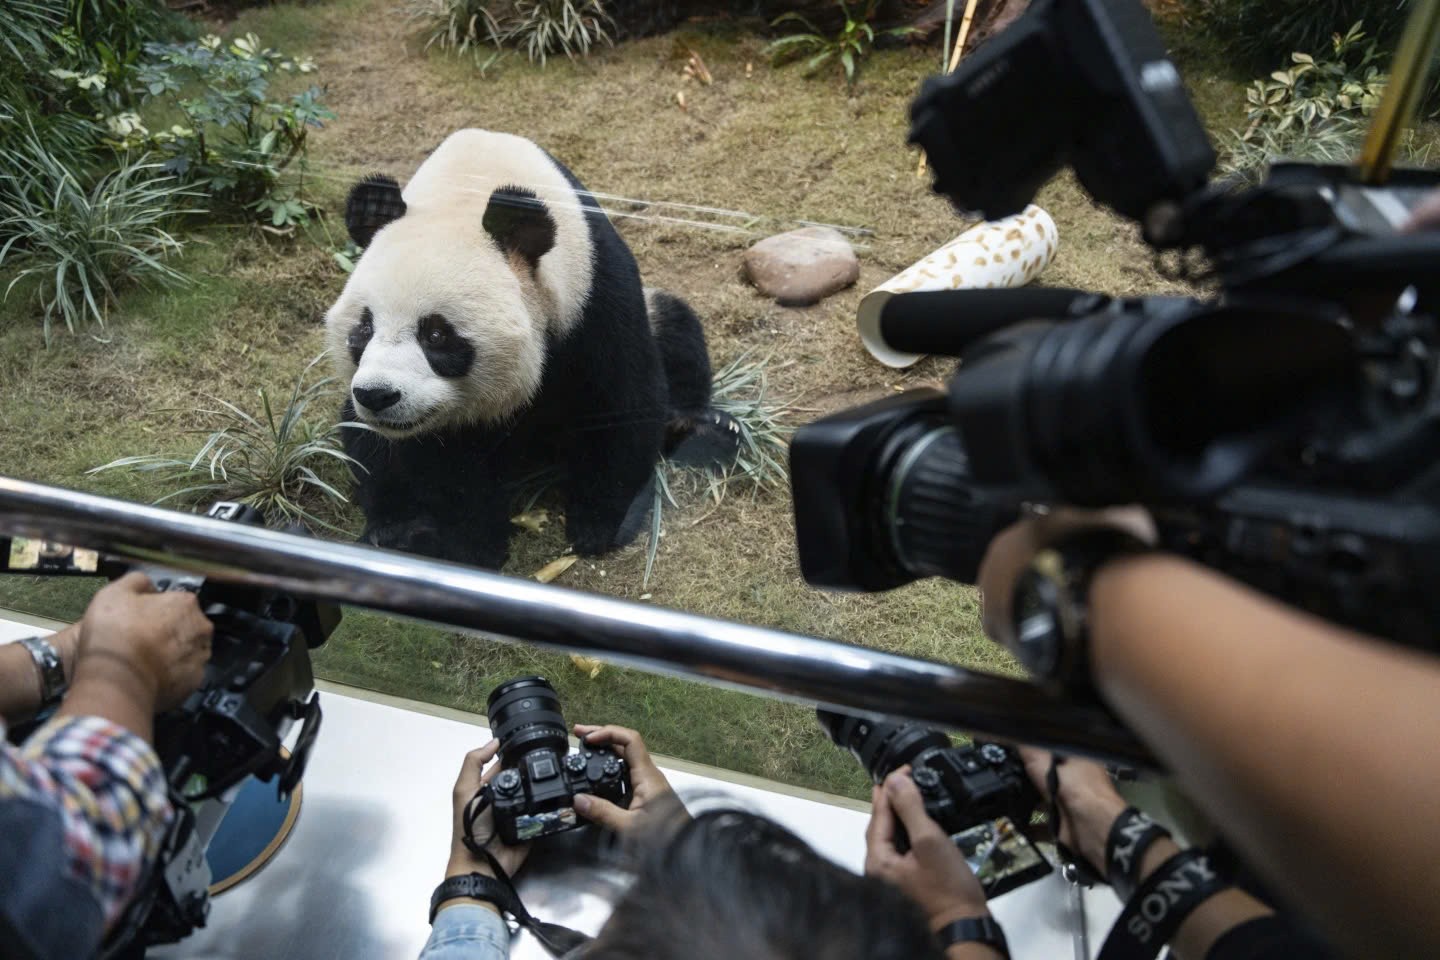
(730, 884)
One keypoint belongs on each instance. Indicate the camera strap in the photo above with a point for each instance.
(1076, 869)
(557, 940)
(1162, 903)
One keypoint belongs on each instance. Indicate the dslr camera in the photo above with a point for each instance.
(533, 795)
(980, 795)
(1284, 430)
(258, 685)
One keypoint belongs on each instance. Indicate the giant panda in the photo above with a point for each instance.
(496, 327)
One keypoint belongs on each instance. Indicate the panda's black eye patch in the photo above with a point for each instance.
(449, 354)
(360, 335)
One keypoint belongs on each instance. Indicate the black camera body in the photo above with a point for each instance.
(533, 795)
(980, 795)
(1286, 431)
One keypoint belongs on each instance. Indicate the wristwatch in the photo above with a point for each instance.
(974, 930)
(51, 669)
(472, 886)
(1050, 609)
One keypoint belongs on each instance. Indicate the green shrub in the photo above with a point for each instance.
(1317, 109)
(276, 463)
(538, 27)
(81, 243)
(847, 47)
(1261, 32)
(237, 139)
(456, 25)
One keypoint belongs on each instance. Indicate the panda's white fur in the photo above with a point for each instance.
(438, 259)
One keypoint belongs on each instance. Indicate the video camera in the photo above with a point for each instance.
(257, 685)
(1285, 431)
(980, 795)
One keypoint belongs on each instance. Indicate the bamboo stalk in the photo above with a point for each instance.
(955, 56)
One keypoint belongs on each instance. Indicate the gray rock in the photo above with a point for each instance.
(802, 266)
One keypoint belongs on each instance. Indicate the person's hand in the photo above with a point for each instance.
(473, 776)
(1011, 552)
(647, 783)
(1088, 802)
(66, 642)
(1426, 216)
(933, 872)
(161, 640)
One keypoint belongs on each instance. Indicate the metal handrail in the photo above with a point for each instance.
(788, 666)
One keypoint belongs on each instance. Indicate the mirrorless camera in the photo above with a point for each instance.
(533, 795)
(980, 795)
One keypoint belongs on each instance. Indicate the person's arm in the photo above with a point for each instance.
(1307, 743)
(1311, 745)
(932, 872)
(1088, 805)
(467, 928)
(20, 682)
(83, 803)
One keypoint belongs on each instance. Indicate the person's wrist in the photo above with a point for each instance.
(1091, 817)
(463, 863)
(117, 671)
(958, 910)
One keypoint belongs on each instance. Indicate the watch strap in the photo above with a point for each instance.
(1069, 567)
(473, 886)
(50, 667)
(984, 930)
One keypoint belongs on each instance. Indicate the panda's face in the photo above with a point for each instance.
(437, 327)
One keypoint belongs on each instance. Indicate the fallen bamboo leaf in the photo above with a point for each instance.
(696, 67)
(556, 567)
(588, 665)
(532, 520)
(749, 69)
(680, 99)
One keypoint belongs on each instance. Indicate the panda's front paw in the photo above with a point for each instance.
(409, 536)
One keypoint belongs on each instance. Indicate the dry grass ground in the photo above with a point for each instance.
(760, 140)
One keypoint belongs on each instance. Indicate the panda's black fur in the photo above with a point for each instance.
(620, 387)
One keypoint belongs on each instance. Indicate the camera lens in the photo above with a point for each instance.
(525, 715)
(933, 517)
(880, 747)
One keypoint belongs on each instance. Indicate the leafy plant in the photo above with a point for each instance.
(81, 243)
(1316, 109)
(1263, 31)
(236, 140)
(539, 27)
(740, 390)
(456, 25)
(848, 47)
(571, 27)
(275, 461)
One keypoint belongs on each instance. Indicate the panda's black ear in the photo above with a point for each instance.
(373, 202)
(520, 223)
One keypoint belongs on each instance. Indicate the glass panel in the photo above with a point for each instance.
(515, 398)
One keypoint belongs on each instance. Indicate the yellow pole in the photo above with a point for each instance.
(1418, 46)
(955, 59)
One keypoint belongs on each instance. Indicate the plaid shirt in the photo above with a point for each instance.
(85, 803)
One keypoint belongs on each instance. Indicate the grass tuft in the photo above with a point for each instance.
(81, 244)
(273, 463)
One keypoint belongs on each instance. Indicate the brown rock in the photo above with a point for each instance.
(802, 266)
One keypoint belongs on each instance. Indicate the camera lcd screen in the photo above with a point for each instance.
(24, 555)
(1002, 857)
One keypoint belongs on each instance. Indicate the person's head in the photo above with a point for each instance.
(730, 884)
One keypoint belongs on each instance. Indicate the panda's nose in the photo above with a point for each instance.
(376, 399)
